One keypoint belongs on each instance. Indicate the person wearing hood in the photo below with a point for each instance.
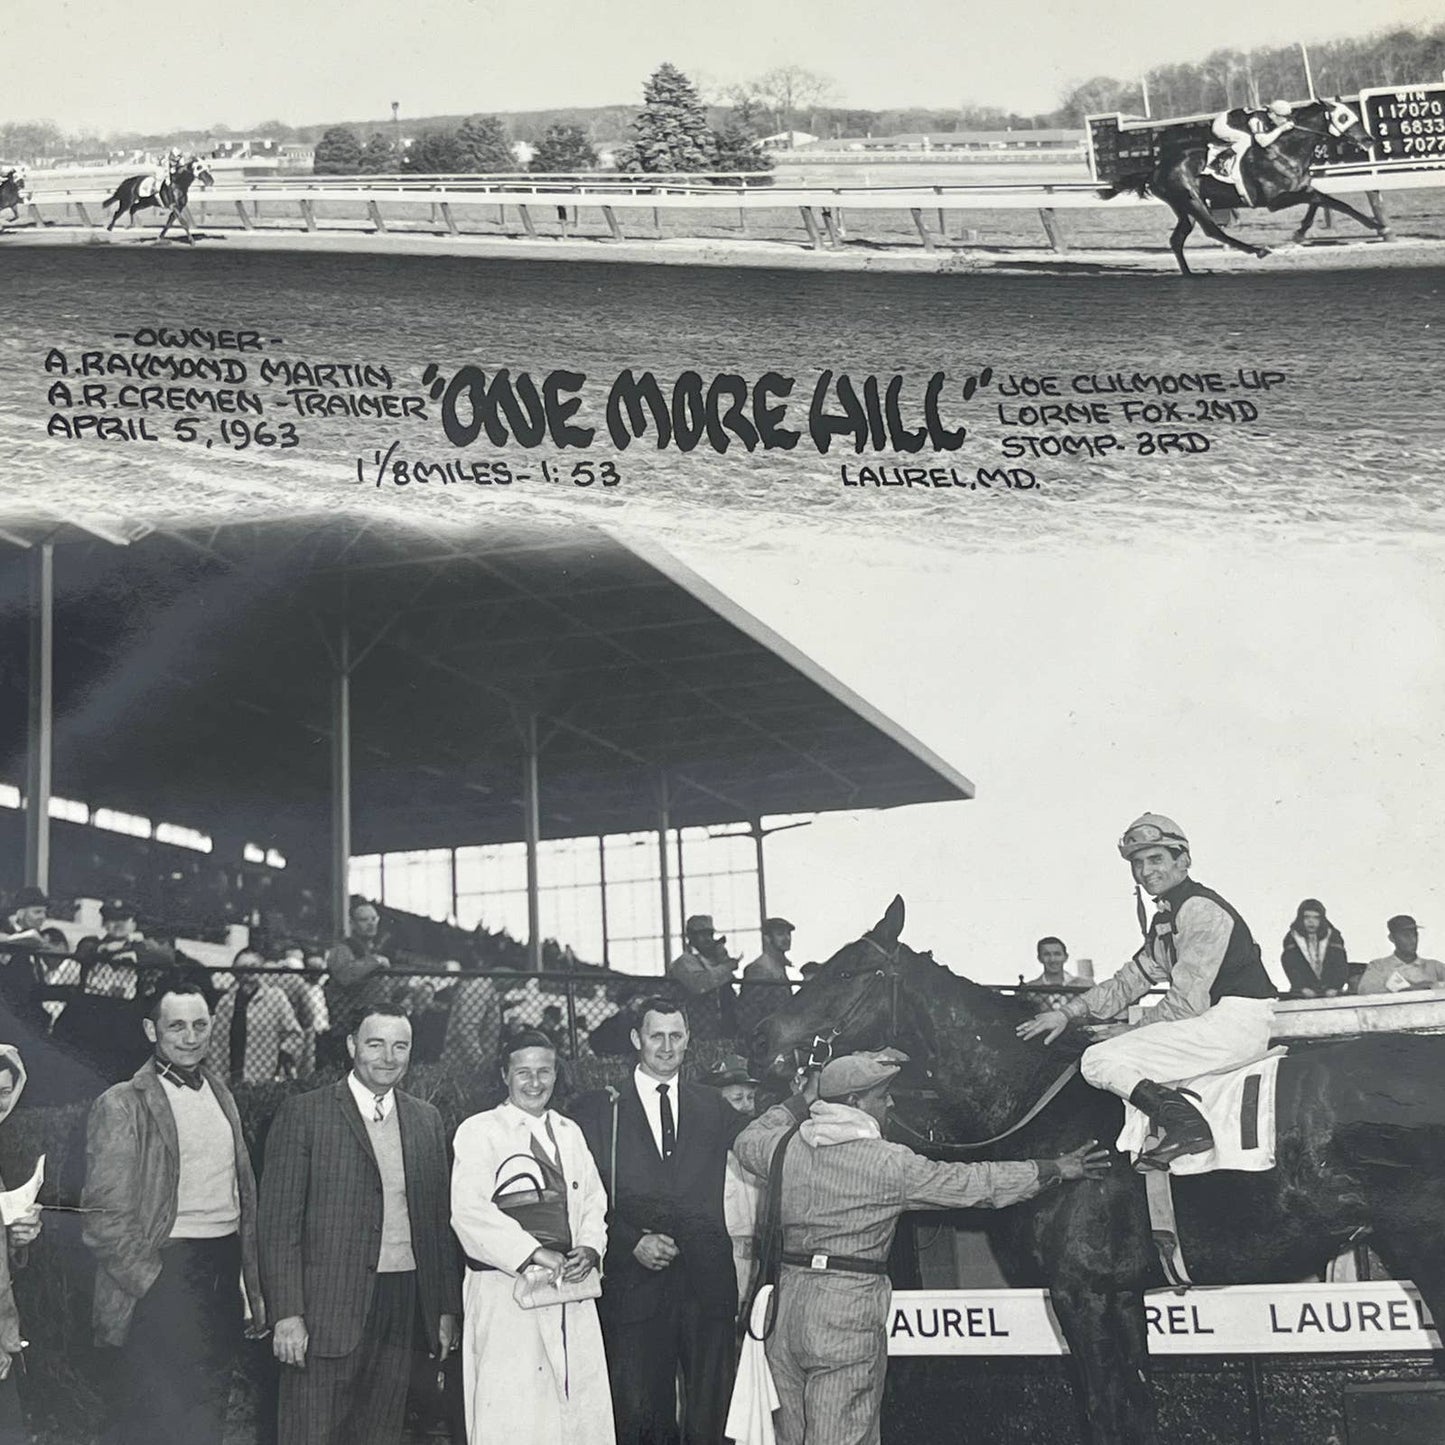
(1314, 957)
(844, 1188)
(19, 1234)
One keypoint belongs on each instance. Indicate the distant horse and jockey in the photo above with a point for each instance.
(13, 193)
(1360, 1148)
(168, 189)
(1275, 176)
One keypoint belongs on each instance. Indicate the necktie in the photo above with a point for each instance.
(669, 1124)
(181, 1078)
(380, 1115)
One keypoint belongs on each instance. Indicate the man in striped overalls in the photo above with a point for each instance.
(843, 1190)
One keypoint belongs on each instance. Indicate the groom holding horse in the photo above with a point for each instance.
(1216, 1014)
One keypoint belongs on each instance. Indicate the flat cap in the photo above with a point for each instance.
(854, 1073)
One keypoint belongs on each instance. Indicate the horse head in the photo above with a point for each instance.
(1329, 117)
(848, 1004)
(960, 1036)
(200, 171)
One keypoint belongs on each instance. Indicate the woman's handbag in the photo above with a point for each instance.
(541, 1209)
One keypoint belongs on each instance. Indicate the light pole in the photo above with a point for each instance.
(396, 131)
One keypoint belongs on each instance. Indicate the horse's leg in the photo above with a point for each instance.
(1333, 203)
(1305, 224)
(1106, 1335)
(1210, 227)
(1177, 238)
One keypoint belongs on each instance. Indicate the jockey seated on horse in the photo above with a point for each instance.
(166, 172)
(1217, 1011)
(1238, 129)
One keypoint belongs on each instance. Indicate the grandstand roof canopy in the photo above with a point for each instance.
(194, 667)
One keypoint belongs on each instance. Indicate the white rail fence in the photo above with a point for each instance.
(392, 203)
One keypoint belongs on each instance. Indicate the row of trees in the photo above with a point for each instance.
(1236, 77)
(670, 133)
(723, 123)
(479, 145)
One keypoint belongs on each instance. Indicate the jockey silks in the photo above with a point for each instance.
(1241, 971)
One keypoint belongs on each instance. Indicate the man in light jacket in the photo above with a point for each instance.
(171, 1221)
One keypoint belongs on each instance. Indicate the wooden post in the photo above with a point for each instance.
(308, 214)
(248, 225)
(1377, 208)
(811, 222)
(1054, 229)
(446, 209)
(611, 218)
(84, 214)
(527, 223)
(923, 232)
(834, 238)
(743, 220)
(375, 212)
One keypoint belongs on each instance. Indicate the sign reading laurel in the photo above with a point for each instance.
(1235, 1320)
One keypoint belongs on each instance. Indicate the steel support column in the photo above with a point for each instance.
(602, 896)
(40, 733)
(681, 887)
(755, 827)
(341, 780)
(532, 823)
(664, 826)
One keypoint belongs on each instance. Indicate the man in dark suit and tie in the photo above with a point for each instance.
(356, 1243)
(669, 1294)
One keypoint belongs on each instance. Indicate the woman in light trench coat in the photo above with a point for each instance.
(530, 1377)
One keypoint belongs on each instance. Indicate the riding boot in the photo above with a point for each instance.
(1181, 1128)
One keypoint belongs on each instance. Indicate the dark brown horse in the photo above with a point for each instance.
(1361, 1148)
(1274, 177)
(140, 193)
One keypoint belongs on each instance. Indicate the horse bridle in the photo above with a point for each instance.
(820, 1052)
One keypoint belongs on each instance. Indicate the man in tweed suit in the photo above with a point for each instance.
(356, 1242)
(843, 1190)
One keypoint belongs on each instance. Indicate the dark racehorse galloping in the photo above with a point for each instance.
(1361, 1147)
(136, 194)
(1276, 177)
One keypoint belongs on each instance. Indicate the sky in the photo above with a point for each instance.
(1282, 704)
(144, 66)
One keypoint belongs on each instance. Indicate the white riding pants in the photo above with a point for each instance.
(1234, 1032)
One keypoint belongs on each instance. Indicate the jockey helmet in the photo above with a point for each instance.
(1279, 108)
(1151, 830)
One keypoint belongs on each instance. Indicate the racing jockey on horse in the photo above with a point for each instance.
(166, 172)
(1238, 129)
(1216, 1014)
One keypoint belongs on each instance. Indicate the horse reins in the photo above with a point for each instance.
(1039, 1105)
